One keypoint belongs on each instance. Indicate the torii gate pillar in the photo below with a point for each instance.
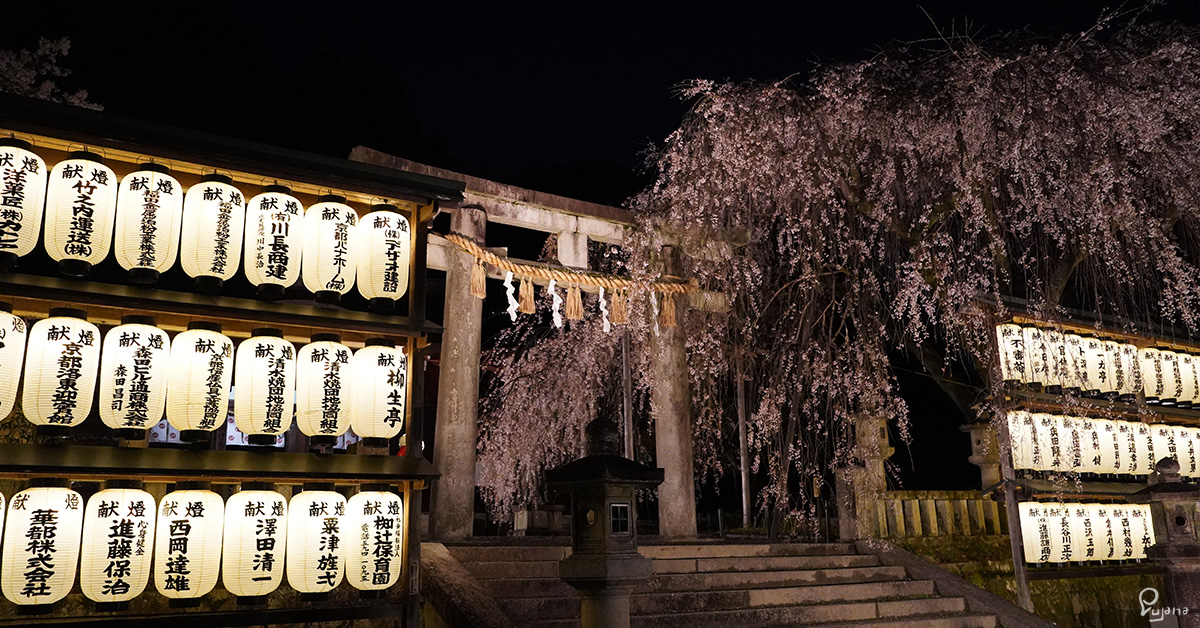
(452, 507)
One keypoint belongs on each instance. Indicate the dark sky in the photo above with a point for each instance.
(562, 97)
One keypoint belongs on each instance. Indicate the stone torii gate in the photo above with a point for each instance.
(574, 222)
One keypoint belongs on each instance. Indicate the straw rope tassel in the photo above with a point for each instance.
(667, 315)
(525, 296)
(479, 279)
(574, 309)
(620, 311)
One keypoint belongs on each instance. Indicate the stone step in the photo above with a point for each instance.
(762, 563)
(745, 550)
(817, 614)
(917, 621)
(515, 569)
(497, 553)
(528, 587)
(765, 579)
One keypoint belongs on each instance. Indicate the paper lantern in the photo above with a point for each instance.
(1189, 379)
(385, 249)
(380, 389)
(1109, 448)
(1097, 378)
(316, 549)
(214, 216)
(118, 544)
(1129, 462)
(1188, 439)
(1116, 369)
(1088, 432)
(1171, 380)
(274, 240)
(1056, 348)
(375, 535)
(265, 386)
(1133, 531)
(1039, 538)
(81, 203)
(1131, 366)
(1102, 530)
(256, 524)
(1163, 444)
(187, 550)
(133, 385)
(199, 379)
(1144, 444)
(1074, 369)
(1049, 441)
(23, 178)
(1021, 438)
(1011, 342)
(149, 213)
(330, 248)
(41, 543)
(1071, 444)
(1037, 358)
(323, 389)
(1152, 374)
(60, 371)
(12, 356)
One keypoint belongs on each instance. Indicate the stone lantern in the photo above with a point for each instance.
(604, 564)
(1175, 509)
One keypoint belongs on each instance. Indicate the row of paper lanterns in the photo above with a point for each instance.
(143, 373)
(87, 211)
(1073, 533)
(1052, 442)
(123, 539)
(1094, 366)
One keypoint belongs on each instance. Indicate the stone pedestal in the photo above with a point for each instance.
(985, 453)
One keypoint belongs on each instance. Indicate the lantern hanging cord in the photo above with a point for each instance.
(565, 276)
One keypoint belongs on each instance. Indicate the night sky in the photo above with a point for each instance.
(562, 97)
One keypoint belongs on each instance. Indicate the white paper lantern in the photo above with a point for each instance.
(1130, 462)
(81, 204)
(1097, 377)
(385, 250)
(1143, 529)
(1036, 531)
(199, 380)
(1131, 365)
(1109, 449)
(256, 524)
(133, 384)
(1050, 442)
(330, 248)
(1075, 369)
(1153, 377)
(316, 549)
(1071, 444)
(375, 535)
(265, 386)
(12, 356)
(187, 550)
(1187, 439)
(1021, 439)
(23, 178)
(1146, 454)
(61, 367)
(214, 216)
(1056, 348)
(274, 240)
(149, 214)
(323, 389)
(1088, 431)
(1171, 377)
(1162, 439)
(1037, 357)
(1188, 379)
(41, 543)
(380, 388)
(1010, 339)
(118, 544)
(1116, 369)
(1102, 530)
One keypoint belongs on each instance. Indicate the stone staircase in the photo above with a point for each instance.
(829, 585)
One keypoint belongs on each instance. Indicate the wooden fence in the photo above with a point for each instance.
(938, 513)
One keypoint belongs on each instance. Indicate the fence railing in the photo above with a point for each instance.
(938, 513)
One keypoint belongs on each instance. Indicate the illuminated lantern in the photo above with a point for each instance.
(12, 356)
(22, 200)
(60, 370)
(1116, 369)
(1152, 374)
(1011, 341)
(1056, 371)
(256, 525)
(1049, 441)
(1162, 438)
(380, 389)
(1130, 453)
(187, 550)
(1188, 440)
(81, 203)
(149, 212)
(1020, 436)
(1075, 370)
(323, 385)
(133, 385)
(1036, 531)
(1131, 364)
(118, 542)
(1108, 448)
(1144, 444)
(264, 385)
(199, 379)
(1061, 533)
(1102, 531)
(1097, 377)
(375, 534)
(1143, 529)
(1070, 442)
(1188, 379)
(316, 549)
(214, 216)
(274, 241)
(1036, 356)
(385, 247)
(1171, 379)
(41, 543)
(1088, 433)
(330, 248)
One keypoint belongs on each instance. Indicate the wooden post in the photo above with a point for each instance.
(743, 441)
(627, 401)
